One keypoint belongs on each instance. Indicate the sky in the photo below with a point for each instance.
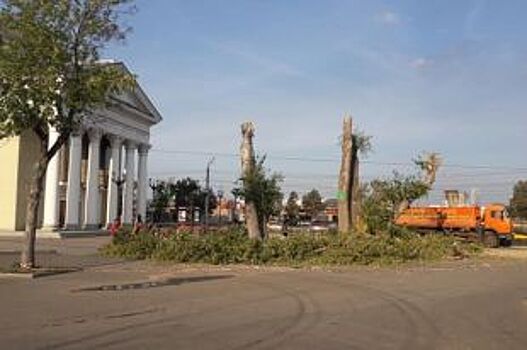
(445, 76)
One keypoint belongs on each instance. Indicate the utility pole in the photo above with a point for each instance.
(220, 197)
(207, 193)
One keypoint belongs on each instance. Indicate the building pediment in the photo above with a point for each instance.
(137, 100)
(129, 114)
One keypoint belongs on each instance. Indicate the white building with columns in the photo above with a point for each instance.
(100, 174)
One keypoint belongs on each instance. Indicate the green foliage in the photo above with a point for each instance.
(161, 199)
(235, 247)
(187, 193)
(429, 164)
(264, 191)
(382, 199)
(139, 246)
(292, 209)
(361, 143)
(385, 249)
(51, 76)
(312, 203)
(518, 202)
(50, 73)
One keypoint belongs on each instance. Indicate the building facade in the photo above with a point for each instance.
(100, 174)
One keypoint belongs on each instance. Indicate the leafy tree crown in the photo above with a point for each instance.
(50, 68)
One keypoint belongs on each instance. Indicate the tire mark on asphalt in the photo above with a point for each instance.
(500, 330)
(416, 320)
(307, 316)
(174, 320)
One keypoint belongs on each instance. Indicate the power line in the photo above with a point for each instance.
(307, 177)
(335, 160)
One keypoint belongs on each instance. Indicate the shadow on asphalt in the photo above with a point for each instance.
(152, 284)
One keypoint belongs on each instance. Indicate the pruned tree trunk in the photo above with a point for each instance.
(248, 166)
(345, 178)
(429, 164)
(355, 191)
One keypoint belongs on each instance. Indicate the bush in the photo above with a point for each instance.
(234, 247)
(138, 246)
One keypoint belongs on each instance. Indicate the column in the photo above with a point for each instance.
(114, 176)
(91, 207)
(129, 167)
(74, 183)
(142, 175)
(51, 196)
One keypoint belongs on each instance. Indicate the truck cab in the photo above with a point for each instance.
(496, 219)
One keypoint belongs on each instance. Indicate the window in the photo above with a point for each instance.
(497, 215)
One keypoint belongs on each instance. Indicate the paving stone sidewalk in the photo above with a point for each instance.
(67, 252)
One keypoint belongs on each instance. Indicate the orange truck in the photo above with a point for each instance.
(491, 224)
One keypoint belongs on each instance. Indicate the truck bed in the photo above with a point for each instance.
(441, 218)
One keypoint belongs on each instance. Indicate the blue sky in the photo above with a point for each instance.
(444, 76)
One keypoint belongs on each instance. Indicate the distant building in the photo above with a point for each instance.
(331, 210)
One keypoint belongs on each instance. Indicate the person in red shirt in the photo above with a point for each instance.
(115, 226)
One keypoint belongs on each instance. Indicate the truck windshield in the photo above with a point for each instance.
(497, 214)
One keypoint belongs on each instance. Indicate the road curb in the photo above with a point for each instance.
(37, 273)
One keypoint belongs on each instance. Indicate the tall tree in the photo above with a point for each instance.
(161, 198)
(292, 209)
(190, 194)
(518, 202)
(312, 203)
(51, 77)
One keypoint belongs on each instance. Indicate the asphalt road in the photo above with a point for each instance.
(143, 306)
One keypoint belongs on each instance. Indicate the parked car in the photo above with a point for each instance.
(274, 226)
(320, 226)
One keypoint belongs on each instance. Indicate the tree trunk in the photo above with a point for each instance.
(248, 165)
(27, 260)
(344, 189)
(355, 200)
(263, 227)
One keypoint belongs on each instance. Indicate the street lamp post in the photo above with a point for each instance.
(119, 182)
(154, 185)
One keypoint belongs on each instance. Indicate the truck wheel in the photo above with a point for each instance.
(505, 242)
(491, 240)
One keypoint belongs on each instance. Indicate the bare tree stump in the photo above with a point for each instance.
(355, 185)
(248, 166)
(344, 194)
